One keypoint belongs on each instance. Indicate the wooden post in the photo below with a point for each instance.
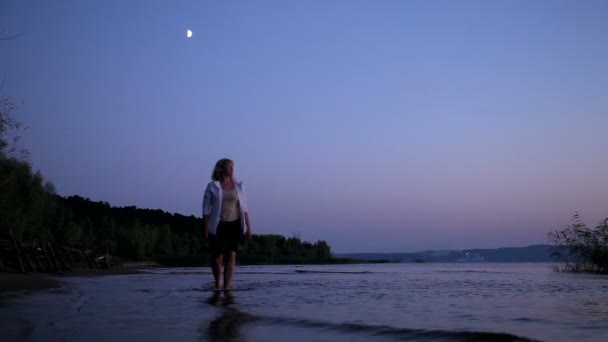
(49, 261)
(5, 249)
(68, 257)
(95, 262)
(73, 258)
(82, 259)
(17, 250)
(87, 257)
(83, 263)
(38, 259)
(28, 258)
(2, 268)
(56, 262)
(108, 259)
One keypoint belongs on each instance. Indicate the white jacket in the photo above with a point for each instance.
(212, 204)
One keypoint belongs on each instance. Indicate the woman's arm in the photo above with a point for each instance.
(206, 227)
(206, 211)
(245, 207)
(248, 225)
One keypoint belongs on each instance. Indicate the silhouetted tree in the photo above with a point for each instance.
(26, 199)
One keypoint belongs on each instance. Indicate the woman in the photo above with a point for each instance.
(225, 220)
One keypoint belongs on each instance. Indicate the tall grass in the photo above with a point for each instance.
(581, 248)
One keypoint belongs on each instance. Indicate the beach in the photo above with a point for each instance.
(11, 282)
(14, 282)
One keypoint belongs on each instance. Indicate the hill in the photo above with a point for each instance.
(534, 253)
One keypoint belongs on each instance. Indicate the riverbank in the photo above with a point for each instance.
(12, 282)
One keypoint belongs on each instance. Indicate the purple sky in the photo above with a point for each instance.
(378, 126)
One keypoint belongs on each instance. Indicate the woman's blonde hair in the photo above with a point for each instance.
(220, 171)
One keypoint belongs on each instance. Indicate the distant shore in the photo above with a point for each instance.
(13, 282)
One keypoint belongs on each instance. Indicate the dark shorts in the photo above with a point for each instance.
(227, 238)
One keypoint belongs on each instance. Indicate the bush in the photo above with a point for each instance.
(581, 248)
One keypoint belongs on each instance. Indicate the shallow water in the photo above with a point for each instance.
(384, 302)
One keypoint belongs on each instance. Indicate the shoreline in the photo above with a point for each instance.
(16, 282)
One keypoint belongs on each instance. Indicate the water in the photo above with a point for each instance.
(384, 302)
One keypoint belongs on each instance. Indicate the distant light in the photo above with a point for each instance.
(189, 33)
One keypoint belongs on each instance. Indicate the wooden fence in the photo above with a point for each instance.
(43, 256)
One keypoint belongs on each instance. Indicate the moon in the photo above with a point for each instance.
(189, 33)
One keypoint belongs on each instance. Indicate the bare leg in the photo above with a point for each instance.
(216, 268)
(229, 270)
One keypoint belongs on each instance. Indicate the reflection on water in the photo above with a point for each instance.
(227, 326)
(420, 302)
(215, 298)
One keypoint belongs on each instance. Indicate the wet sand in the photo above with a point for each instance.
(12, 282)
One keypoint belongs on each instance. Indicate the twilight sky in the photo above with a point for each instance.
(378, 126)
